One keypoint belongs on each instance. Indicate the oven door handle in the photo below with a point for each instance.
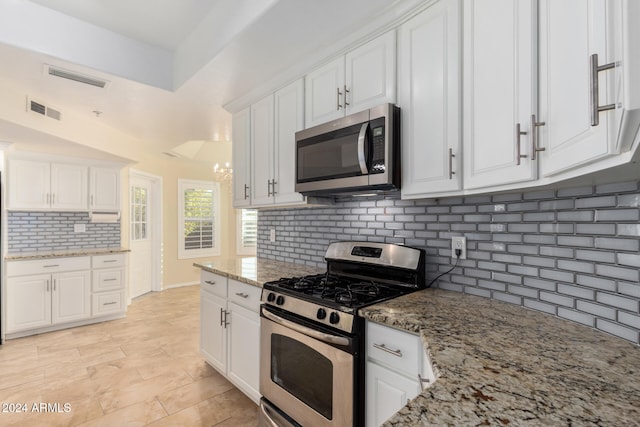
(361, 157)
(328, 338)
(267, 416)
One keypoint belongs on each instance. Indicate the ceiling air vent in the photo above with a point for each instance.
(40, 108)
(70, 75)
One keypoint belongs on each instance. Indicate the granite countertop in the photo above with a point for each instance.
(24, 256)
(499, 364)
(256, 271)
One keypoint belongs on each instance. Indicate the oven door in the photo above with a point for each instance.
(306, 373)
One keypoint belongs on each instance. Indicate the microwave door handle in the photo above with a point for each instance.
(361, 157)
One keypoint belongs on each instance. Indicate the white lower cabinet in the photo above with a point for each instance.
(230, 330)
(397, 369)
(54, 293)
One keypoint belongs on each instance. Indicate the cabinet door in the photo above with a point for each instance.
(570, 32)
(105, 189)
(262, 152)
(289, 118)
(213, 334)
(371, 74)
(29, 184)
(324, 93)
(71, 296)
(430, 90)
(69, 186)
(244, 350)
(241, 158)
(28, 302)
(387, 392)
(499, 52)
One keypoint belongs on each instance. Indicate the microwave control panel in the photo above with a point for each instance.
(377, 159)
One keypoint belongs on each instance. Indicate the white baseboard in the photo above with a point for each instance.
(180, 285)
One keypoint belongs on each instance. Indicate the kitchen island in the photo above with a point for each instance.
(499, 364)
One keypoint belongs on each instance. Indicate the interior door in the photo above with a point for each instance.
(141, 266)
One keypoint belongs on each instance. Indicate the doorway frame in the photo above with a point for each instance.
(156, 228)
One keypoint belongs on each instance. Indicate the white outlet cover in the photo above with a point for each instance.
(459, 242)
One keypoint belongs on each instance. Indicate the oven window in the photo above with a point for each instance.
(303, 372)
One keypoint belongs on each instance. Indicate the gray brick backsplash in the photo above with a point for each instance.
(51, 231)
(570, 252)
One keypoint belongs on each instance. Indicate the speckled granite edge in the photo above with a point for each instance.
(64, 254)
(499, 364)
(256, 271)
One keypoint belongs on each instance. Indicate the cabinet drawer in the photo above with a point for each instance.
(245, 295)
(107, 303)
(107, 261)
(48, 265)
(396, 349)
(108, 279)
(213, 283)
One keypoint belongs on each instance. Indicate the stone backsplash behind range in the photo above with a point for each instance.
(572, 253)
(50, 231)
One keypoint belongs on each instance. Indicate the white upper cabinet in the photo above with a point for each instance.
(363, 78)
(289, 118)
(571, 31)
(262, 152)
(429, 96)
(104, 189)
(264, 138)
(499, 96)
(43, 185)
(241, 158)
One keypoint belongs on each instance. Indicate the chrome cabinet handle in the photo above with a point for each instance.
(361, 159)
(397, 353)
(209, 282)
(338, 93)
(273, 187)
(242, 295)
(246, 188)
(51, 265)
(110, 303)
(593, 86)
(92, 200)
(47, 285)
(48, 198)
(422, 382)
(109, 260)
(54, 284)
(346, 91)
(534, 136)
(53, 199)
(519, 154)
(222, 317)
(451, 156)
(110, 280)
(269, 188)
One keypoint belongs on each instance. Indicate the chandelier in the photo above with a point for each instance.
(223, 174)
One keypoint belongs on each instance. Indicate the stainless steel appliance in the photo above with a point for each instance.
(312, 338)
(355, 154)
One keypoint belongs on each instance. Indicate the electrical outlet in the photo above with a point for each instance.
(459, 242)
(272, 235)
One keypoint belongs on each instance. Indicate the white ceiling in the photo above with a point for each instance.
(171, 64)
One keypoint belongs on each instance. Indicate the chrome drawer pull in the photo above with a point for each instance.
(209, 282)
(109, 280)
(383, 347)
(110, 303)
(423, 381)
(110, 260)
(51, 266)
(240, 294)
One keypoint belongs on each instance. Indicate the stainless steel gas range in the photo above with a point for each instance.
(312, 359)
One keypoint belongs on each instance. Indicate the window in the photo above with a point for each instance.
(139, 201)
(198, 219)
(247, 231)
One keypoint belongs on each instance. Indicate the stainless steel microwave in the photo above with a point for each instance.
(359, 153)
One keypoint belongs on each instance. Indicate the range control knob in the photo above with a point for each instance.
(334, 318)
(280, 300)
(271, 297)
(321, 313)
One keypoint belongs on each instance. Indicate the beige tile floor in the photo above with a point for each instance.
(143, 370)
